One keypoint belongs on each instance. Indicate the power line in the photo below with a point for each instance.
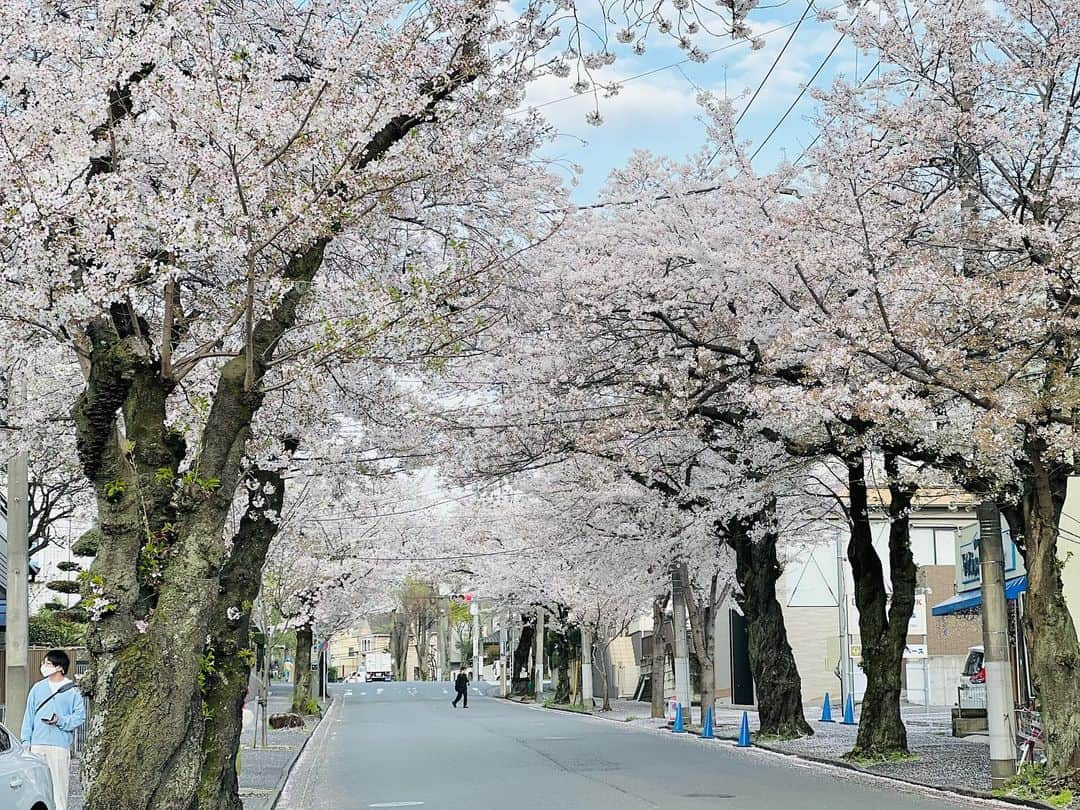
(654, 71)
(861, 82)
(798, 98)
(776, 61)
(768, 73)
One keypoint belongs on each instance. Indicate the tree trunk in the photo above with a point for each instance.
(659, 648)
(155, 582)
(399, 645)
(560, 649)
(603, 661)
(776, 677)
(519, 676)
(1055, 653)
(882, 627)
(701, 608)
(226, 685)
(423, 644)
(301, 696)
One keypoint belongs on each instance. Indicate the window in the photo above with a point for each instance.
(933, 546)
(5, 741)
(945, 546)
(365, 645)
(352, 652)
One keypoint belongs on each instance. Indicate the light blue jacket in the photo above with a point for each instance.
(68, 707)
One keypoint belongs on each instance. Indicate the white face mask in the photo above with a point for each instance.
(47, 670)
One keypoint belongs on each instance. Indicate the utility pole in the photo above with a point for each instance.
(682, 650)
(995, 622)
(478, 665)
(586, 668)
(503, 638)
(847, 685)
(442, 640)
(538, 656)
(17, 677)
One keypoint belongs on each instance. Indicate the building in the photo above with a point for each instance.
(349, 647)
(810, 588)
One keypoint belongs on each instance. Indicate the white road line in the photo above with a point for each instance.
(396, 804)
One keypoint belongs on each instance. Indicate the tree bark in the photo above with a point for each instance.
(301, 696)
(1055, 653)
(560, 649)
(657, 662)
(399, 645)
(701, 608)
(520, 676)
(604, 662)
(882, 627)
(776, 676)
(155, 581)
(226, 685)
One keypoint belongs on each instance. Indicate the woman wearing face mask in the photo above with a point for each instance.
(54, 710)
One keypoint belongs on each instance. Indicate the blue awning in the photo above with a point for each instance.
(972, 599)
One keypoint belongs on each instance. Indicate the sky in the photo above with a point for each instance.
(658, 112)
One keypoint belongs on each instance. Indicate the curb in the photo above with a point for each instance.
(968, 793)
(288, 771)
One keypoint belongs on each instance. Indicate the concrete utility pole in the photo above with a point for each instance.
(442, 640)
(847, 674)
(478, 665)
(17, 683)
(538, 655)
(586, 668)
(503, 638)
(682, 650)
(995, 622)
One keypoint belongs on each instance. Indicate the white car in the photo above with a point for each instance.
(25, 783)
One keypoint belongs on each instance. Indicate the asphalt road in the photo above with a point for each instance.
(402, 745)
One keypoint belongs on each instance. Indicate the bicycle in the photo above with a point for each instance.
(1031, 738)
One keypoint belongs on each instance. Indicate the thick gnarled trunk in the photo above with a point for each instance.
(301, 696)
(883, 625)
(520, 674)
(1055, 653)
(155, 581)
(776, 676)
(560, 645)
(225, 685)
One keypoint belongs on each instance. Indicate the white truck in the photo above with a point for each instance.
(377, 667)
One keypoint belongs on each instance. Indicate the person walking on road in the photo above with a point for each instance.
(54, 710)
(461, 685)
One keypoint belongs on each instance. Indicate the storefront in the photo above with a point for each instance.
(970, 705)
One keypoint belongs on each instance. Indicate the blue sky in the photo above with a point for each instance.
(659, 112)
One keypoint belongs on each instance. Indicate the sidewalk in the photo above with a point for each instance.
(262, 770)
(938, 759)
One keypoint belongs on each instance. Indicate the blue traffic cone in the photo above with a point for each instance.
(849, 713)
(744, 732)
(826, 711)
(706, 725)
(678, 728)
